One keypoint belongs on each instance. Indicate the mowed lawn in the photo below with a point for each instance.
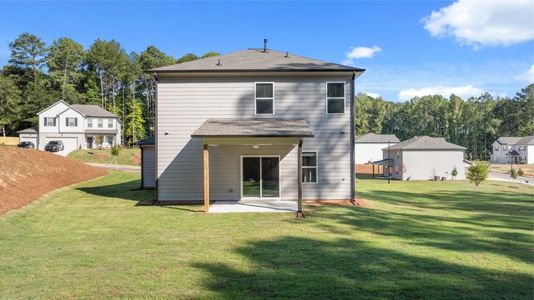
(127, 156)
(412, 240)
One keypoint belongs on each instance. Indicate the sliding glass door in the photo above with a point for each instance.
(260, 177)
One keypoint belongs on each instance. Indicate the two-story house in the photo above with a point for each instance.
(77, 126)
(255, 125)
(519, 150)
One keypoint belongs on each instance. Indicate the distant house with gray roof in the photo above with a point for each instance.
(368, 147)
(77, 126)
(254, 125)
(425, 158)
(519, 150)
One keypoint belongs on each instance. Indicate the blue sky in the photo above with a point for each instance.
(404, 53)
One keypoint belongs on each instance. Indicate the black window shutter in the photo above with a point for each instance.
(54, 121)
(76, 122)
(67, 122)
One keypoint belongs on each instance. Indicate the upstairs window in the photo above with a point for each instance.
(335, 97)
(89, 123)
(110, 123)
(100, 123)
(264, 98)
(71, 122)
(309, 167)
(49, 121)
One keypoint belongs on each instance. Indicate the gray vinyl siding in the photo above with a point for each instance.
(185, 103)
(149, 166)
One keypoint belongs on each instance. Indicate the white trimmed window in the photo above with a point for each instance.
(335, 97)
(309, 166)
(49, 121)
(110, 123)
(89, 123)
(264, 98)
(100, 123)
(71, 122)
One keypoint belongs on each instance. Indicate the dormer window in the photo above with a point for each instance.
(335, 97)
(49, 121)
(264, 98)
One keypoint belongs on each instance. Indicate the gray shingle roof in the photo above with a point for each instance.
(426, 143)
(28, 130)
(528, 140)
(92, 110)
(376, 138)
(255, 60)
(148, 141)
(253, 128)
(508, 140)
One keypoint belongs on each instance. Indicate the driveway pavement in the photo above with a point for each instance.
(117, 167)
(506, 177)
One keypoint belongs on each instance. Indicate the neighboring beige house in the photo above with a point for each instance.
(425, 158)
(254, 125)
(78, 126)
(519, 150)
(368, 147)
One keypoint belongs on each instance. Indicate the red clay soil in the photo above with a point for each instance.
(26, 175)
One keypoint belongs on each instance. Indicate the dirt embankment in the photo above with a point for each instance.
(26, 175)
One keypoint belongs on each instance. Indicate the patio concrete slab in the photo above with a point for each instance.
(253, 206)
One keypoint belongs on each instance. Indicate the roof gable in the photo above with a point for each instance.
(426, 143)
(53, 105)
(255, 60)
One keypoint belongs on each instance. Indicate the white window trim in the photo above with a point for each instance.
(261, 179)
(46, 121)
(344, 98)
(98, 123)
(310, 167)
(110, 122)
(73, 123)
(262, 98)
(89, 123)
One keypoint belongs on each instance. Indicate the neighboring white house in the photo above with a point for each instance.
(368, 147)
(425, 158)
(78, 126)
(255, 125)
(520, 150)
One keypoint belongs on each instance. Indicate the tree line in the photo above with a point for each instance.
(474, 123)
(37, 75)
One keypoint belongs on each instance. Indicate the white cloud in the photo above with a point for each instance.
(461, 91)
(374, 95)
(527, 75)
(360, 52)
(484, 22)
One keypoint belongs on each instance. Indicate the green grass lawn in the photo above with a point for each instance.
(415, 240)
(127, 156)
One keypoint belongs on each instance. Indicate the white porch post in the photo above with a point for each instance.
(300, 214)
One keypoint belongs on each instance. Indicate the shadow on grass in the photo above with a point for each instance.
(129, 190)
(293, 267)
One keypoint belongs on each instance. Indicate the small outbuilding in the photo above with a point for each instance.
(425, 158)
(368, 147)
(148, 162)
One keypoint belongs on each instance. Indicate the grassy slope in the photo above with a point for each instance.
(127, 156)
(419, 240)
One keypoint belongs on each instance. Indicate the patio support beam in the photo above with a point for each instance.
(206, 178)
(299, 197)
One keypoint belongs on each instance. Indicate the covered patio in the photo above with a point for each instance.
(386, 165)
(259, 174)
